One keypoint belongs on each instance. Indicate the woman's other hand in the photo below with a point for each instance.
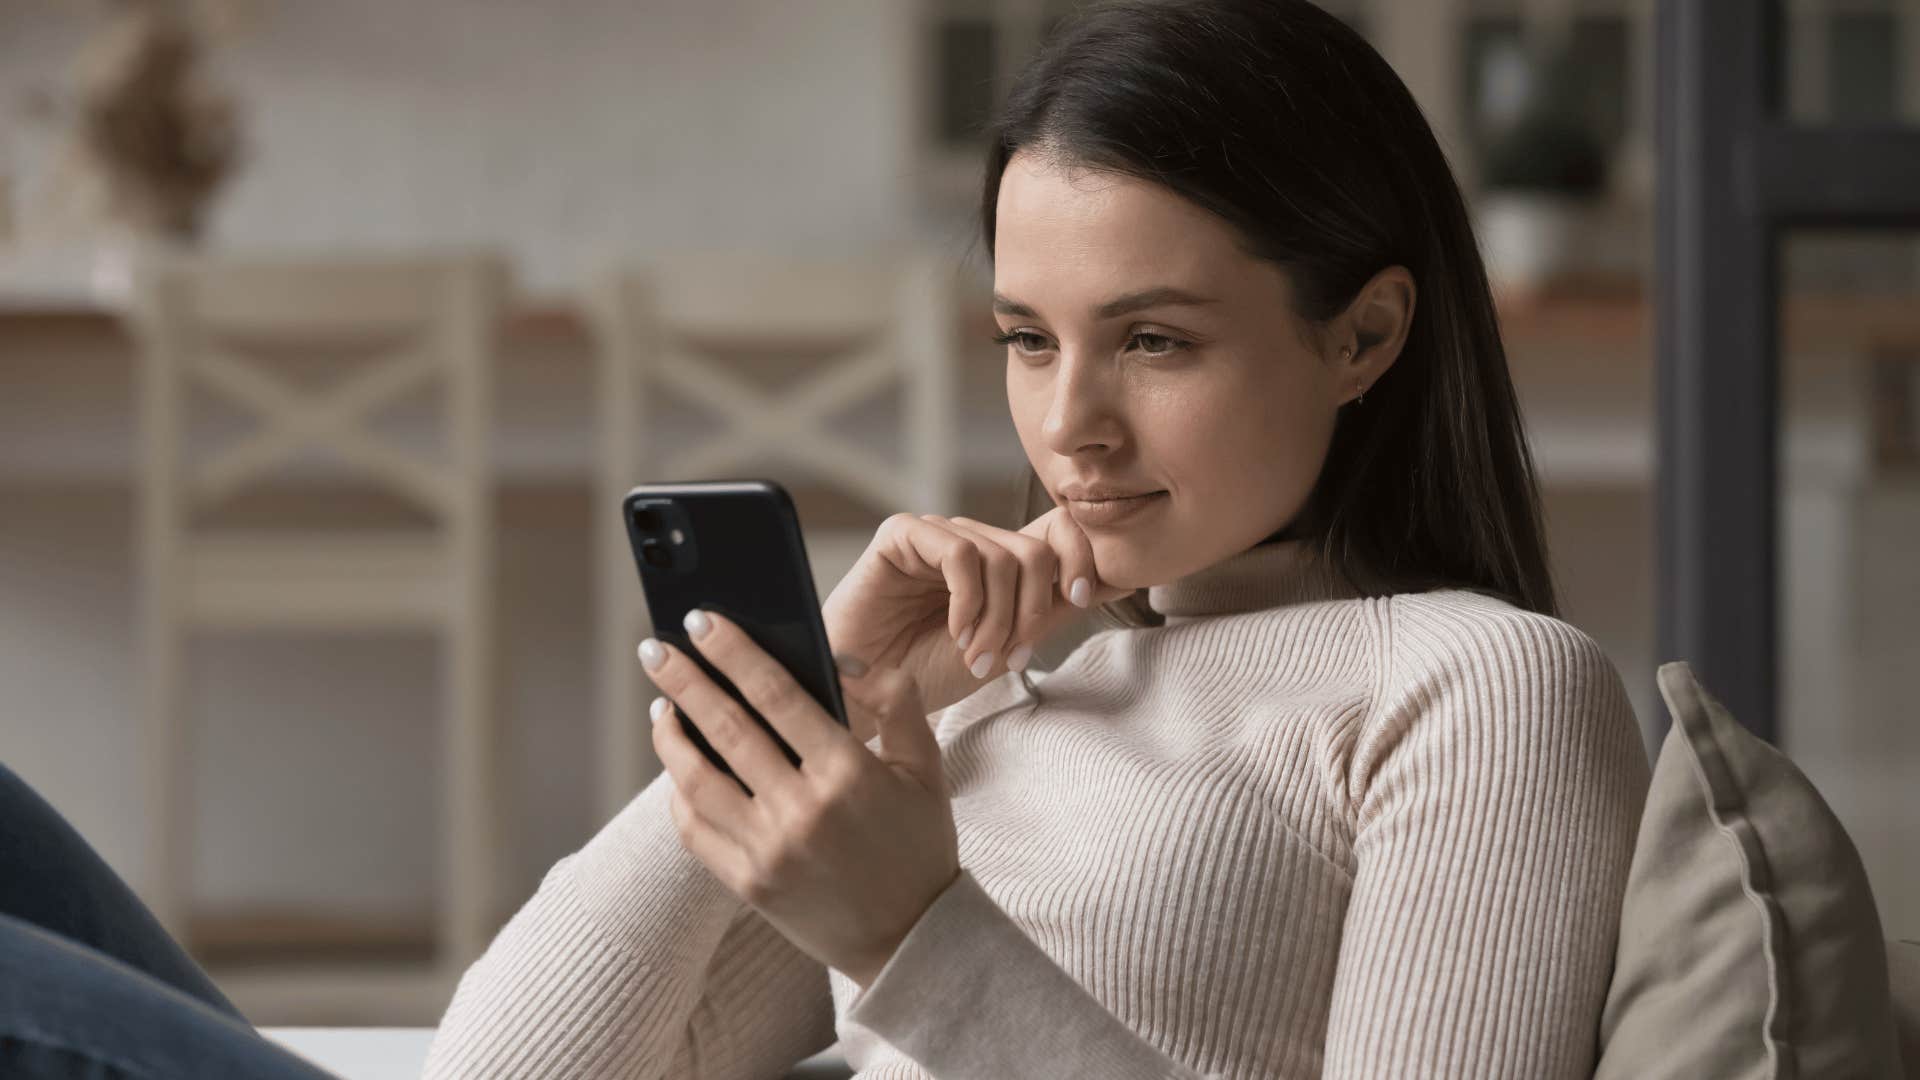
(951, 600)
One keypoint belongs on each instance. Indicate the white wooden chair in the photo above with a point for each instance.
(660, 329)
(414, 325)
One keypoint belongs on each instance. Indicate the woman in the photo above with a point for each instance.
(1336, 794)
(1333, 794)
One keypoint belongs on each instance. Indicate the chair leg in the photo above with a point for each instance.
(627, 761)
(624, 744)
(470, 830)
(166, 759)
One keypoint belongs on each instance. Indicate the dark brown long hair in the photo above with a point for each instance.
(1284, 122)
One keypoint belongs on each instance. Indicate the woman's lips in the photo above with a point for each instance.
(1112, 511)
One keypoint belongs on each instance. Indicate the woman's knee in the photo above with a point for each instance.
(62, 1002)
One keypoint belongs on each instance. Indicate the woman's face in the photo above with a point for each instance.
(1151, 354)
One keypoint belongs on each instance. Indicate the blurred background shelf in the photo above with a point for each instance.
(315, 967)
(1580, 353)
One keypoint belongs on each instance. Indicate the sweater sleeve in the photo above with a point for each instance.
(1497, 788)
(970, 996)
(632, 960)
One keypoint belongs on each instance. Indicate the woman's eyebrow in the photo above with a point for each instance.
(1121, 305)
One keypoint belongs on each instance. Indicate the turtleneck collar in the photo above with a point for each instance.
(1270, 574)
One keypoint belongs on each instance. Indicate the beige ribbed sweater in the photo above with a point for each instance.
(1291, 833)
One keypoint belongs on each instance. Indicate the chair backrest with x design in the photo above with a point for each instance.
(395, 327)
(209, 323)
(314, 351)
(881, 323)
(663, 331)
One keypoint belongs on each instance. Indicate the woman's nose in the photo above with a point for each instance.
(1080, 414)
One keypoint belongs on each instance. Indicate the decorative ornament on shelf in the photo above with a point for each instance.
(155, 138)
(1543, 170)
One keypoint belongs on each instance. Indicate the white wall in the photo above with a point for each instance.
(571, 133)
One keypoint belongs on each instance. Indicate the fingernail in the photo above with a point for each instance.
(659, 706)
(965, 636)
(1081, 592)
(850, 665)
(652, 654)
(697, 624)
(1017, 659)
(981, 665)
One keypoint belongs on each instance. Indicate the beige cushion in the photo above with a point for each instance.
(1749, 942)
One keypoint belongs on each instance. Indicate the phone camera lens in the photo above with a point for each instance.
(646, 520)
(654, 554)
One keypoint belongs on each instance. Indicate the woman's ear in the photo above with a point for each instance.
(1377, 321)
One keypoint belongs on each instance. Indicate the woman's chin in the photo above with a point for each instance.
(1121, 563)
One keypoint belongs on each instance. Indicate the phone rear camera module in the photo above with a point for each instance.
(647, 519)
(655, 554)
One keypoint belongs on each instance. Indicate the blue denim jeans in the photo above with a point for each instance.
(90, 985)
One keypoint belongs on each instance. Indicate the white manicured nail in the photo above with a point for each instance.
(965, 636)
(1017, 659)
(652, 654)
(659, 706)
(981, 665)
(1081, 592)
(697, 623)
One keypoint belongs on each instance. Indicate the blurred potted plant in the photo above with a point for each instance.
(150, 136)
(1543, 171)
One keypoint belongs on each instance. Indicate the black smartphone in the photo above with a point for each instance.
(735, 547)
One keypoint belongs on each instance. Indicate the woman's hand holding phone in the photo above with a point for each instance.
(950, 600)
(844, 854)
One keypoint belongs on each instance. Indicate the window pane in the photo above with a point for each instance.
(1600, 46)
(1494, 71)
(1861, 67)
(1849, 523)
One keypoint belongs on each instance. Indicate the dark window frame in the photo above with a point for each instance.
(1735, 174)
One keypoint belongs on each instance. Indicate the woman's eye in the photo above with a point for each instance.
(1022, 340)
(1029, 343)
(1158, 344)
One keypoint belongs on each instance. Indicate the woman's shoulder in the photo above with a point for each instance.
(1478, 636)
(1477, 680)
(1461, 613)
